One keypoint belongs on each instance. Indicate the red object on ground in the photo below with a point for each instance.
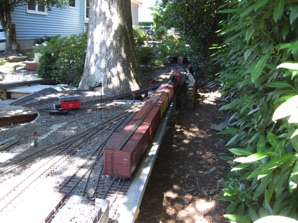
(31, 66)
(70, 104)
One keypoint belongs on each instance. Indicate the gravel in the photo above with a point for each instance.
(48, 129)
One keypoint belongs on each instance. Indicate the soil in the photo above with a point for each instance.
(188, 173)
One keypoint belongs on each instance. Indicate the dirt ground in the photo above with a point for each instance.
(189, 173)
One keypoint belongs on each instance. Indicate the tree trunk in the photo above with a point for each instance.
(110, 57)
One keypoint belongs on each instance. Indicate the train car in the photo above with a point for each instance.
(124, 152)
(122, 163)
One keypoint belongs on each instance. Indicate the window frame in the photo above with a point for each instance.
(72, 6)
(85, 10)
(36, 11)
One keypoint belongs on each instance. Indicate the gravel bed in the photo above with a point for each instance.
(48, 129)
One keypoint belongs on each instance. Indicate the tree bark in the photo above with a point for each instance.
(110, 57)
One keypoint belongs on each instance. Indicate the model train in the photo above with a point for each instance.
(124, 152)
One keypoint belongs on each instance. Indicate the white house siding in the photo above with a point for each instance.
(135, 13)
(65, 22)
(2, 39)
(2, 34)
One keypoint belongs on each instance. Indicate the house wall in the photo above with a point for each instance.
(135, 14)
(65, 22)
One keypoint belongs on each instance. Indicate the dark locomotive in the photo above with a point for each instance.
(124, 152)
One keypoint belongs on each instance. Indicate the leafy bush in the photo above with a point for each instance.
(160, 32)
(156, 53)
(63, 59)
(260, 43)
(197, 21)
(139, 35)
(145, 55)
(40, 40)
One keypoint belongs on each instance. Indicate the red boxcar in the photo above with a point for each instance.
(123, 162)
(126, 149)
(143, 111)
(163, 103)
(153, 119)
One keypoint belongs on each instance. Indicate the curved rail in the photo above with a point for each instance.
(54, 158)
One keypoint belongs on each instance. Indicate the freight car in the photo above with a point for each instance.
(124, 152)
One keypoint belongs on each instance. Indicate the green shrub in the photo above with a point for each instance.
(259, 61)
(139, 35)
(63, 59)
(197, 21)
(40, 40)
(160, 32)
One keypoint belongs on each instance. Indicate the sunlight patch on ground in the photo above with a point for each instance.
(194, 212)
(210, 97)
(193, 132)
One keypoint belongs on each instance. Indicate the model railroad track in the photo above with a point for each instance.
(36, 98)
(51, 161)
(56, 149)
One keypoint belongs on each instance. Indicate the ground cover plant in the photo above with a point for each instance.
(259, 78)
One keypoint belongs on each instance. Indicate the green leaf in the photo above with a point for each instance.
(254, 157)
(259, 191)
(268, 193)
(259, 68)
(261, 144)
(250, 31)
(240, 166)
(294, 134)
(234, 139)
(285, 31)
(229, 10)
(253, 214)
(231, 207)
(286, 109)
(254, 7)
(275, 163)
(293, 14)
(288, 65)
(278, 9)
(239, 151)
(293, 181)
(237, 218)
(279, 84)
(231, 76)
(229, 131)
(273, 140)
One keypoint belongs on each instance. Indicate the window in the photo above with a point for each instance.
(36, 8)
(87, 7)
(72, 3)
